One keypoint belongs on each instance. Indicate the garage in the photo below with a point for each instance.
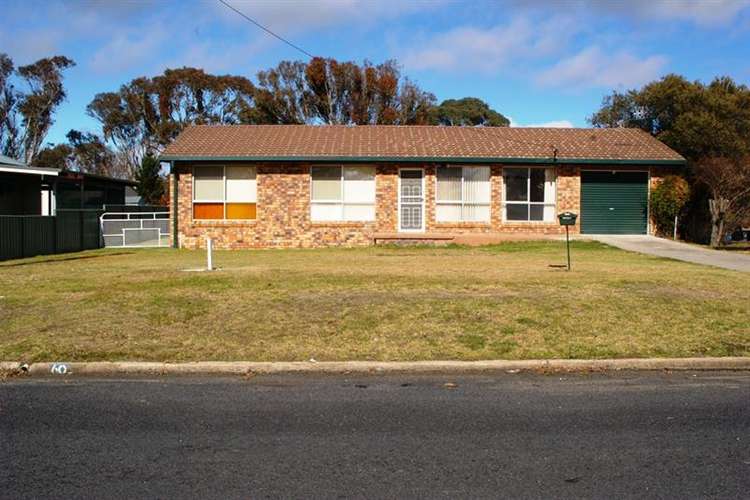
(614, 202)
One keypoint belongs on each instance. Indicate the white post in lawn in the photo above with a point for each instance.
(209, 248)
(674, 237)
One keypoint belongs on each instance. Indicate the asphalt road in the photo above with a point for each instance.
(632, 435)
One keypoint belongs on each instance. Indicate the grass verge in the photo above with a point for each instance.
(377, 303)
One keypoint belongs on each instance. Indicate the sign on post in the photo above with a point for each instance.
(567, 219)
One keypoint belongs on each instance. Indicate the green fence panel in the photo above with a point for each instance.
(68, 231)
(38, 235)
(11, 244)
(91, 234)
(26, 236)
(30, 235)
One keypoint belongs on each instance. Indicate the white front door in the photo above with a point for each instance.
(411, 199)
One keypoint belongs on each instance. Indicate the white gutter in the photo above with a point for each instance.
(28, 170)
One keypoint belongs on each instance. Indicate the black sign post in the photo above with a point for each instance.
(567, 219)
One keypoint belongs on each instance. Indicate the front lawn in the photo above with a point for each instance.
(378, 303)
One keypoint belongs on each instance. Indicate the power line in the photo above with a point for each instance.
(279, 37)
(296, 47)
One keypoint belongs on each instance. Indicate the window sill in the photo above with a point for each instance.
(341, 223)
(223, 222)
(521, 223)
(461, 224)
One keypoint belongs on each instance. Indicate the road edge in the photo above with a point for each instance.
(107, 368)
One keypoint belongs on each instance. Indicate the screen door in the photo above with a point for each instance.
(411, 199)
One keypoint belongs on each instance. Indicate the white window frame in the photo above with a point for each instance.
(342, 201)
(224, 201)
(528, 202)
(462, 203)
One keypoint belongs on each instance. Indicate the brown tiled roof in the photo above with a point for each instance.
(384, 142)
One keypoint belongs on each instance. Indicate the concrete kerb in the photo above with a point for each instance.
(105, 368)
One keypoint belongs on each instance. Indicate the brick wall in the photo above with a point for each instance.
(283, 210)
(283, 215)
(386, 193)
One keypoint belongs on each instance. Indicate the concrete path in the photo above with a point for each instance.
(625, 435)
(660, 247)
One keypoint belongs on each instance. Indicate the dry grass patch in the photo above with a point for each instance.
(379, 303)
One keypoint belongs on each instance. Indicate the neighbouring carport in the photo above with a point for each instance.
(614, 202)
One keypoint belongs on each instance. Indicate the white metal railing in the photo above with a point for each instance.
(135, 229)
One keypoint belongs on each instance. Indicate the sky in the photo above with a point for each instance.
(542, 63)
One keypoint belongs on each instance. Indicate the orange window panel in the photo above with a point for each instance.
(208, 211)
(240, 210)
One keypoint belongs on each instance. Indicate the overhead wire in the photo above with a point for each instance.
(308, 54)
(267, 30)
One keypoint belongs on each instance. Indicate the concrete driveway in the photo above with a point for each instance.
(651, 245)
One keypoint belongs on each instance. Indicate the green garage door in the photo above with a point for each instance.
(614, 202)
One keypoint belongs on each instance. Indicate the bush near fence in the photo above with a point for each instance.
(68, 231)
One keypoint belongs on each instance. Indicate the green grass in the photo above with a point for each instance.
(377, 303)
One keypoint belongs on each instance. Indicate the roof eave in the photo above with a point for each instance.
(71, 175)
(427, 159)
(23, 169)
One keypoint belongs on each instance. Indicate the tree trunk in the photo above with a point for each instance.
(718, 208)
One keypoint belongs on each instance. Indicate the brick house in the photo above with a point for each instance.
(308, 186)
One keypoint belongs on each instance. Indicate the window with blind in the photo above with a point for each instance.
(224, 193)
(529, 194)
(463, 194)
(342, 193)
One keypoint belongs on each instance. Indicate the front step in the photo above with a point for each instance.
(471, 239)
(413, 238)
